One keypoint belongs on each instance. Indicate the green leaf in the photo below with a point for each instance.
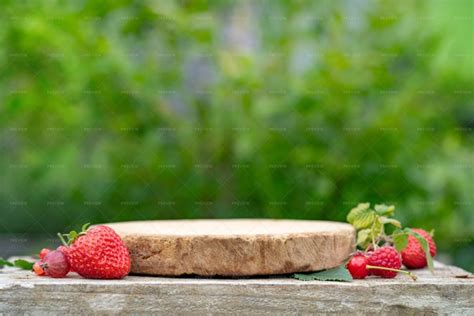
(400, 241)
(19, 263)
(4, 262)
(384, 210)
(361, 216)
(377, 227)
(337, 274)
(23, 264)
(424, 244)
(394, 222)
(353, 213)
(363, 238)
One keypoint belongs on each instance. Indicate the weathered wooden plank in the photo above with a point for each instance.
(439, 293)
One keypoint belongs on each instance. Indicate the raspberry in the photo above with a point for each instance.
(386, 257)
(413, 256)
(56, 264)
(357, 266)
(384, 262)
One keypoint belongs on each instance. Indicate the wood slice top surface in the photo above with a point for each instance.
(235, 247)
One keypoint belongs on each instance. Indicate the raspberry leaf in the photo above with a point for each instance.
(384, 210)
(361, 216)
(387, 220)
(424, 244)
(363, 238)
(400, 240)
(340, 274)
(377, 227)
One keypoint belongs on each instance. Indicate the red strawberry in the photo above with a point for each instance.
(413, 255)
(386, 257)
(99, 253)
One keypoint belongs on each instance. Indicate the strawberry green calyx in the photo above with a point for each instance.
(73, 235)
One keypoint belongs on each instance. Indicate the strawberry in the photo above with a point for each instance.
(413, 255)
(98, 253)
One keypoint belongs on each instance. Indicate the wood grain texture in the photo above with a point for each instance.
(441, 293)
(235, 247)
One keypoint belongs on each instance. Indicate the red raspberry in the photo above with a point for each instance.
(357, 266)
(386, 257)
(56, 264)
(413, 255)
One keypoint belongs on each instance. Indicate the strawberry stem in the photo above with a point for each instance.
(63, 241)
(411, 275)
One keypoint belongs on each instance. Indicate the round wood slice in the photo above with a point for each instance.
(235, 247)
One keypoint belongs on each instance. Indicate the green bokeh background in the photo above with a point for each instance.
(132, 110)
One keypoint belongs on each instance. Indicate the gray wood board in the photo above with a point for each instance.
(444, 292)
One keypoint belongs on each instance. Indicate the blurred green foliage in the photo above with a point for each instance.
(122, 110)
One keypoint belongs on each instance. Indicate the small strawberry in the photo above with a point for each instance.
(98, 253)
(38, 269)
(56, 264)
(413, 255)
(43, 253)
